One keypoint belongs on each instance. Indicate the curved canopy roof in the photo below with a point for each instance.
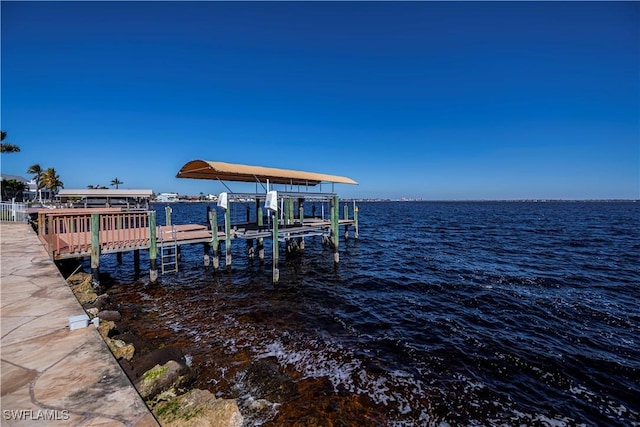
(203, 169)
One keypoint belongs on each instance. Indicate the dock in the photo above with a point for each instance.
(283, 207)
(278, 215)
(52, 375)
(68, 233)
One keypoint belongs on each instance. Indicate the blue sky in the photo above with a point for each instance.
(433, 100)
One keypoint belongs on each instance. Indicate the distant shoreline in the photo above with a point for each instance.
(501, 200)
(449, 201)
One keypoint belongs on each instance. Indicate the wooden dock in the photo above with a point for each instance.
(79, 233)
(309, 228)
(67, 233)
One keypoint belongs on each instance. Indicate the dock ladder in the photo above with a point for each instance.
(169, 252)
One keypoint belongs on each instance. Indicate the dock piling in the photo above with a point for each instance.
(335, 232)
(276, 247)
(153, 248)
(95, 250)
(271, 204)
(136, 262)
(346, 226)
(227, 234)
(205, 257)
(250, 250)
(355, 221)
(260, 239)
(167, 212)
(215, 243)
(301, 214)
(286, 211)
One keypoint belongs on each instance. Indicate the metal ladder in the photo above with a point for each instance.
(169, 252)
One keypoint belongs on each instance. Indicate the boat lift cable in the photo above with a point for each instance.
(259, 182)
(225, 185)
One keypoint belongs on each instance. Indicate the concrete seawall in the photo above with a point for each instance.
(51, 375)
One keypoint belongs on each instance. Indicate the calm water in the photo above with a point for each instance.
(441, 314)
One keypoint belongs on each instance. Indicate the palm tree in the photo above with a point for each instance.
(38, 173)
(116, 182)
(12, 188)
(6, 147)
(52, 181)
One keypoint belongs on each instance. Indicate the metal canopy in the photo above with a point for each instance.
(203, 169)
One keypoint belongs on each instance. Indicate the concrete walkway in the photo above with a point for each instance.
(49, 374)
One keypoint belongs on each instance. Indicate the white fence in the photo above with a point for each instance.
(14, 212)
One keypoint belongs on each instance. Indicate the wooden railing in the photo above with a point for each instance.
(124, 231)
(69, 232)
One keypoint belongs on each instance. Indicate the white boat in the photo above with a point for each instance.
(167, 197)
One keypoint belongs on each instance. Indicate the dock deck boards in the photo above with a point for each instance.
(78, 244)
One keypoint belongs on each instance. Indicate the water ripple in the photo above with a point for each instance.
(442, 314)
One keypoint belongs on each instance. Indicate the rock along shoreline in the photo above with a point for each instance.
(161, 375)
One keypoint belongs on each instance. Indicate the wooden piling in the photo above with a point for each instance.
(260, 239)
(206, 247)
(276, 247)
(136, 264)
(286, 210)
(335, 209)
(250, 250)
(205, 256)
(292, 215)
(301, 215)
(153, 248)
(95, 250)
(355, 221)
(215, 242)
(346, 226)
(227, 234)
(167, 213)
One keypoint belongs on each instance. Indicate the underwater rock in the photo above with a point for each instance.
(112, 315)
(266, 382)
(161, 378)
(143, 362)
(102, 301)
(198, 408)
